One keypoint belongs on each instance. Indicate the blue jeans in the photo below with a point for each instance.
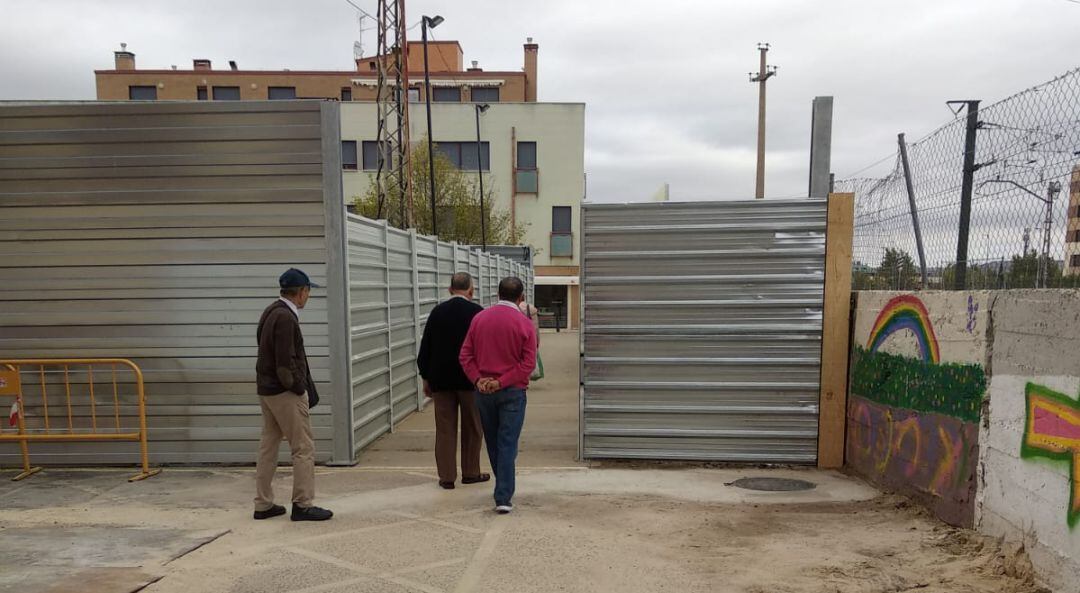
(502, 414)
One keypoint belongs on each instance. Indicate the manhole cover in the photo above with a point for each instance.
(773, 484)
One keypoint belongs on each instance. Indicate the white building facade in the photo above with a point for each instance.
(534, 168)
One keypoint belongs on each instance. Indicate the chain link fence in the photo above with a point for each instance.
(1024, 227)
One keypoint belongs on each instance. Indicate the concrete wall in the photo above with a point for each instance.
(916, 387)
(1005, 458)
(557, 129)
(1030, 453)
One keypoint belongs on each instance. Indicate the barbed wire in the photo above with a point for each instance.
(1023, 233)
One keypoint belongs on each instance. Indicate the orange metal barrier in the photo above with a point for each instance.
(46, 429)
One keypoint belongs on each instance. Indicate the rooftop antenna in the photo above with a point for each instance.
(358, 45)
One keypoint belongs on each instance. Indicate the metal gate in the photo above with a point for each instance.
(702, 330)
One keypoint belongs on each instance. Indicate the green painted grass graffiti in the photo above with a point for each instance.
(951, 389)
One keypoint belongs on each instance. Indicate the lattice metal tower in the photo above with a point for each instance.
(394, 171)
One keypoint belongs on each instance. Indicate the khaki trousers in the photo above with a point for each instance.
(447, 404)
(285, 415)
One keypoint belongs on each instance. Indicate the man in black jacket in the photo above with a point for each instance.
(286, 394)
(447, 385)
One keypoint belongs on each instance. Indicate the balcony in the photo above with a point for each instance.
(562, 245)
(526, 181)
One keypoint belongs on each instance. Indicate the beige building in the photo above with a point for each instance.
(535, 168)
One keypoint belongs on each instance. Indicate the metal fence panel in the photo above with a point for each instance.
(155, 231)
(702, 330)
(396, 278)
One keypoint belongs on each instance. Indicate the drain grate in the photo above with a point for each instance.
(773, 484)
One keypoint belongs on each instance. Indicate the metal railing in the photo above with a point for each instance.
(75, 386)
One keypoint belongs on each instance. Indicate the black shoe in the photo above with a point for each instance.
(275, 511)
(446, 485)
(477, 479)
(310, 514)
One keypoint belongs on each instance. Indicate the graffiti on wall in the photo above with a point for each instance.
(913, 422)
(932, 453)
(909, 313)
(1052, 430)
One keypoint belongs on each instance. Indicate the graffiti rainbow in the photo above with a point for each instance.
(906, 312)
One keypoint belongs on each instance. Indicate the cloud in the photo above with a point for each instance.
(668, 99)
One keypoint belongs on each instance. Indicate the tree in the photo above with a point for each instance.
(457, 204)
(898, 271)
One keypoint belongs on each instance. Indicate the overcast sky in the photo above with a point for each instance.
(665, 83)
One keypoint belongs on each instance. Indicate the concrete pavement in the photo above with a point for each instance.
(576, 527)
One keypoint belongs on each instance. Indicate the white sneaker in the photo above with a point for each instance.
(504, 509)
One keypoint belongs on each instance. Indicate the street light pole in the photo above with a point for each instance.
(431, 22)
(481, 108)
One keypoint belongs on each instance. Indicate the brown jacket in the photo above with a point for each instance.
(282, 364)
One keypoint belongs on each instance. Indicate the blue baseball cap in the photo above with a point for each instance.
(293, 278)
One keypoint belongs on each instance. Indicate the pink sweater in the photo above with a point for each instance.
(501, 343)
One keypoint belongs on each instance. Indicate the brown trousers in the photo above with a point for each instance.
(447, 404)
(285, 415)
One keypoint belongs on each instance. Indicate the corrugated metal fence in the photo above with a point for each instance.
(156, 231)
(395, 279)
(702, 330)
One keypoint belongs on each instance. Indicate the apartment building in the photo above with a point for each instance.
(451, 81)
(533, 161)
(1072, 230)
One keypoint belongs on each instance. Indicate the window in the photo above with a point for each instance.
(414, 94)
(280, 92)
(526, 155)
(446, 94)
(371, 155)
(346, 93)
(226, 93)
(562, 236)
(463, 154)
(1075, 263)
(526, 176)
(200, 93)
(485, 94)
(1075, 237)
(561, 219)
(142, 93)
(348, 155)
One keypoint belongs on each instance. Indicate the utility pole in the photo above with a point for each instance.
(965, 191)
(764, 74)
(913, 207)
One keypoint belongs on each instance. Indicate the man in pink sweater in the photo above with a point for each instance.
(498, 356)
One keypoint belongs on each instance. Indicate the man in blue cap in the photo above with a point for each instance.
(286, 394)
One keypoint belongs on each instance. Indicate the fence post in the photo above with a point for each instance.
(965, 193)
(914, 207)
(820, 146)
(389, 333)
(416, 318)
(832, 402)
